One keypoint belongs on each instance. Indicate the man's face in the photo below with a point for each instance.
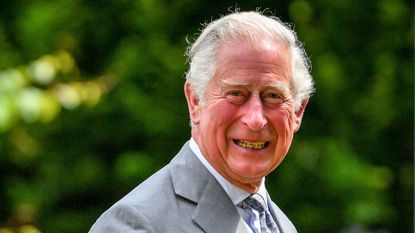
(246, 125)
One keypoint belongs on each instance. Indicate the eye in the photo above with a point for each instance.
(235, 93)
(273, 95)
(273, 98)
(236, 96)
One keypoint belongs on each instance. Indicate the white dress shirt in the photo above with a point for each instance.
(236, 194)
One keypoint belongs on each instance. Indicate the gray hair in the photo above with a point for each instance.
(252, 26)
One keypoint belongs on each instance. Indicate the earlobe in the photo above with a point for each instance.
(299, 115)
(193, 103)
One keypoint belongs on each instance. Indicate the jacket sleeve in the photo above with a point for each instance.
(122, 218)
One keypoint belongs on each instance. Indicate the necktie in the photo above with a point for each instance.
(256, 202)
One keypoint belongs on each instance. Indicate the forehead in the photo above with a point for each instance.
(264, 50)
(264, 58)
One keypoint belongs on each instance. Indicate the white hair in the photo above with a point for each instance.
(252, 26)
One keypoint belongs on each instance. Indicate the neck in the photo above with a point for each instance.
(250, 187)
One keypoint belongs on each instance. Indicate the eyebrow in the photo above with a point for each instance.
(227, 82)
(233, 83)
(280, 87)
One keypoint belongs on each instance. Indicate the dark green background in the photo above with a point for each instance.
(91, 103)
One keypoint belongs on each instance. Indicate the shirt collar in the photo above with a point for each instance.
(236, 194)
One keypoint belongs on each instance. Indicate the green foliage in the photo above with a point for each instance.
(91, 99)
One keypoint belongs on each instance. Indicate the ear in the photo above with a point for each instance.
(299, 115)
(193, 103)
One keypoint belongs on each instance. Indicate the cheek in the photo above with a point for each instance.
(283, 121)
(215, 122)
(283, 126)
(221, 114)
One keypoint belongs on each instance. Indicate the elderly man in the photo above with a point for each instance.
(247, 87)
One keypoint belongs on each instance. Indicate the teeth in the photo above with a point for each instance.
(251, 145)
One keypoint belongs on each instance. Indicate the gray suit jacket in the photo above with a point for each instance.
(181, 197)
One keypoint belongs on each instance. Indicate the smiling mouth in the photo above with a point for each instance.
(251, 145)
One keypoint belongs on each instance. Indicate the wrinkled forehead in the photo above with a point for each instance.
(265, 59)
(263, 56)
(264, 51)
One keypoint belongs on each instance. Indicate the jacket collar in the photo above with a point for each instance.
(283, 223)
(214, 210)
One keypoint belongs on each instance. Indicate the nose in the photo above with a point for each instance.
(254, 117)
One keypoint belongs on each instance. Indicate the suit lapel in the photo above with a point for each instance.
(283, 223)
(214, 210)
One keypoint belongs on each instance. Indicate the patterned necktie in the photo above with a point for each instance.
(256, 202)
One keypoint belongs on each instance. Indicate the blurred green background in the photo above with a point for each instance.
(91, 103)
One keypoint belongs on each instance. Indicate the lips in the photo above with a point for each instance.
(258, 145)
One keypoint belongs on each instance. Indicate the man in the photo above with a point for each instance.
(247, 87)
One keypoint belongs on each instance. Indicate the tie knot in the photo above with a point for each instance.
(255, 201)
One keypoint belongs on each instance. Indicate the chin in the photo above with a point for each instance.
(252, 173)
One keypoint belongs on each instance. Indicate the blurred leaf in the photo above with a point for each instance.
(91, 104)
